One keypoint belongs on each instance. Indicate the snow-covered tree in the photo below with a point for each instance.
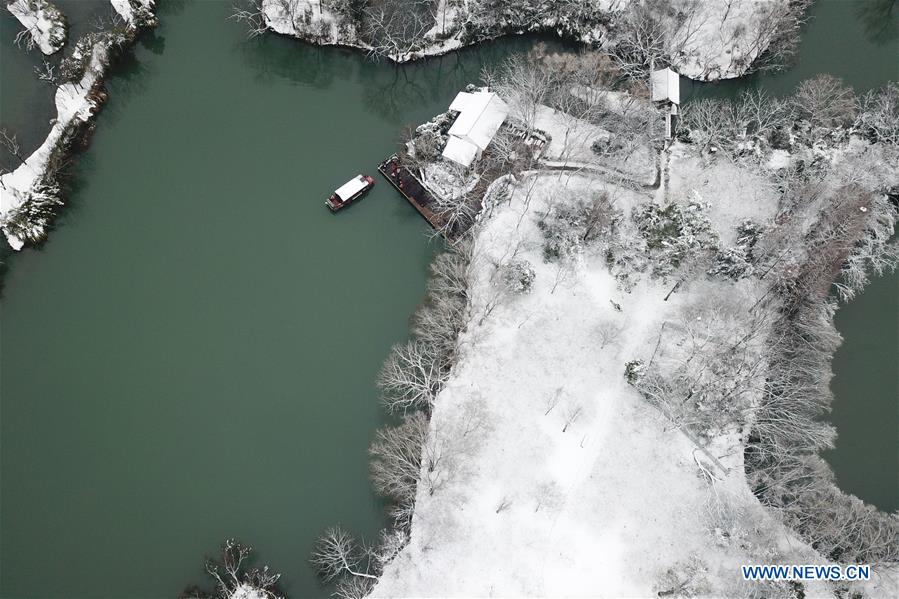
(235, 578)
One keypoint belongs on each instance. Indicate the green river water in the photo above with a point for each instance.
(191, 354)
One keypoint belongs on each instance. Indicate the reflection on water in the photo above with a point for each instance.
(880, 19)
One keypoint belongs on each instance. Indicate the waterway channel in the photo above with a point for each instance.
(191, 354)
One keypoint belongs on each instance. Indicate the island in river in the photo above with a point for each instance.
(272, 71)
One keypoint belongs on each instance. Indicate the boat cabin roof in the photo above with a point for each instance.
(351, 188)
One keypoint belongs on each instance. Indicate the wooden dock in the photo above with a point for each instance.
(411, 188)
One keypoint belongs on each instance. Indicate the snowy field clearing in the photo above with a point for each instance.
(556, 477)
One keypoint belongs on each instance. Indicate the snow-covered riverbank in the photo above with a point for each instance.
(556, 477)
(617, 361)
(705, 41)
(30, 194)
(44, 23)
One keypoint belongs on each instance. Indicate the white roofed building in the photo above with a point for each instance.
(481, 114)
(665, 85)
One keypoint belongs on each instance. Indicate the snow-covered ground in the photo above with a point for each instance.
(29, 194)
(44, 22)
(73, 103)
(722, 38)
(308, 19)
(134, 12)
(554, 475)
(606, 505)
(705, 40)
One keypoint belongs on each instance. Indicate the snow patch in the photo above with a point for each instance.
(45, 23)
(73, 104)
(134, 12)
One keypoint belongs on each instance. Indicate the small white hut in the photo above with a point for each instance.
(481, 114)
(665, 89)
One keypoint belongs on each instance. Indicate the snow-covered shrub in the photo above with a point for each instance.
(518, 276)
(688, 578)
(390, 542)
(30, 220)
(878, 116)
(676, 235)
(570, 225)
(428, 143)
(634, 371)
(73, 66)
(428, 139)
(138, 13)
(491, 18)
(737, 262)
(608, 145)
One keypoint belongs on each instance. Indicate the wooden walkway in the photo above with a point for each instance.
(410, 188)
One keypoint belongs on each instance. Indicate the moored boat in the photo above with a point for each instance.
(349, 192)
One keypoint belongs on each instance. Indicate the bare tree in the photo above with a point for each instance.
(609, 331)
(763, 113)
(825, 102)
(523, 85)
(503, 504)
(396, 457)
(553, 400)
(46, 73)
(396, 28)
(231, 573)
(249, 12)
(25, 39)
(641, 43)
(547, 496)
(705, 378)
(707, 121)
(337, 553)
(412, 376)
(774, 40)
(572, 412)
(10, 142)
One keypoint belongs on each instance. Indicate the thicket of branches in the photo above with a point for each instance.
(354, 566)
(570, 225)
(782, 458)
(391, 29)
(820, 107)
(651, 34)
(235, 576)
(708, 373)
(32, 218)
(401, 455)
(677, 236)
